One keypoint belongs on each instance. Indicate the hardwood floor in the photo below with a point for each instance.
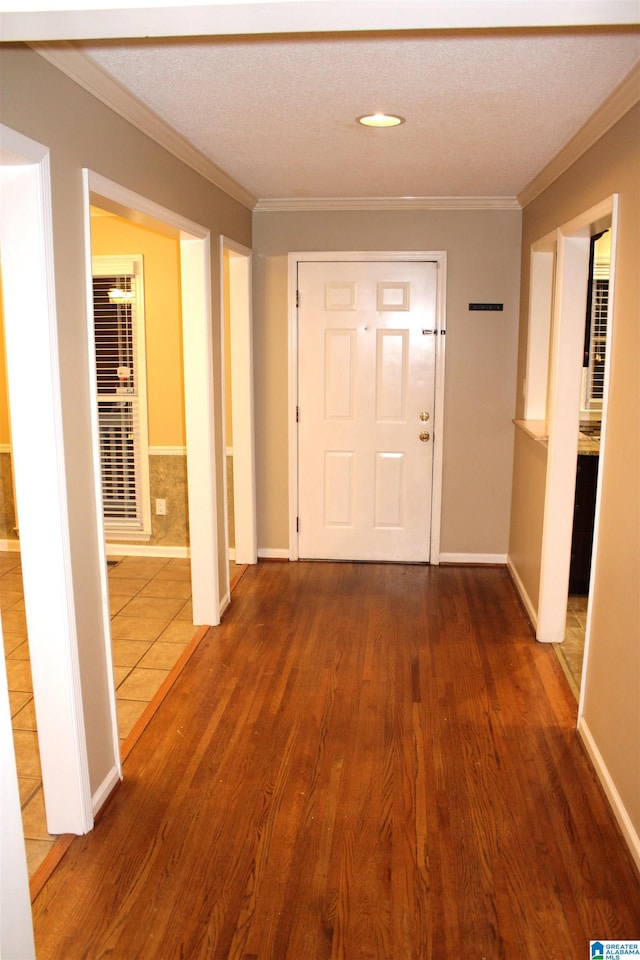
(362, 761)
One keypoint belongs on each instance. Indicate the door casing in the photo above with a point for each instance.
(240, 347)
(440, 258)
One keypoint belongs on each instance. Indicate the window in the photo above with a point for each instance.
(595, 338)
(118, 317)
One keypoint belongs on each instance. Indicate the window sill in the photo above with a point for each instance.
(117, 535)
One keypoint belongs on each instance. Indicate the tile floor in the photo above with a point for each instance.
(151, 624)
(571, 652)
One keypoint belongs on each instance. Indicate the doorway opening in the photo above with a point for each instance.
(567, 424)
(237, 350)
(196, 345)
(571, 650)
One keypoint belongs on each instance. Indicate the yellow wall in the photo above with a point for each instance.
(612, 680)
(113, 236)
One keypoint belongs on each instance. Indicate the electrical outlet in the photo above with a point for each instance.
(161, 508)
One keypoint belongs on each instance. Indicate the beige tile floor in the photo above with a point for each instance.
(151, 623)
(571, 651)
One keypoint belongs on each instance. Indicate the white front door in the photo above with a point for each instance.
(366, 379)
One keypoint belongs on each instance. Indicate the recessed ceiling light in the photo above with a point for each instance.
(380, 120)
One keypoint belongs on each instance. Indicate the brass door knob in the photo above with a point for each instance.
(424, 436)
(424, 416)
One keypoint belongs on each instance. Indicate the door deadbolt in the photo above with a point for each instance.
(424, 416)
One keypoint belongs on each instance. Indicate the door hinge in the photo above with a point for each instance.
(297, 524)
(297, 414)
(297, 298)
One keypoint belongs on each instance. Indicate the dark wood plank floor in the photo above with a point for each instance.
(363, 761)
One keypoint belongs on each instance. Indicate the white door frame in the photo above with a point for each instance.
(563, 415)
(197, 339)
(242, 407)
(26, 244)
(33, 373)
(440, 258)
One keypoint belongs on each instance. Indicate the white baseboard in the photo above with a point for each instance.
(145, 550)
(532, 613)
(104, 790)
(120, 550)
(269, 553)
(629, 832)
(472, 558)
(10, 546)
(167, 451)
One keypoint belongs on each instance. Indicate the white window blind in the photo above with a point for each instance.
(121, 395)
(598, 340)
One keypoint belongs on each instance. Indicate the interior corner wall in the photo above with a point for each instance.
(40, 102)
(483, 265)
(610, 706)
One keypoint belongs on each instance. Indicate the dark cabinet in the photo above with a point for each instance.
(583, 521)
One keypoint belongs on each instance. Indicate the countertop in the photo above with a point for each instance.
(537, 429)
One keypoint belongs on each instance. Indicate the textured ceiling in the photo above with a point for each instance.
(485, 111)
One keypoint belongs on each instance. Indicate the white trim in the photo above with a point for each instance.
(132, 265)
(603, 445)
(116, 531)
(274, 553)
(438, 410)
(623, 98)
(97, 477)
(10, 546)
(16, 926)
(197, 337)
(522, 593)
(474, 558)
(434, 256)
(105, 788)
(92, 19)
(195, 281)
(26, 245)
(615, 800)
(135, 550)
(167, 451)
(90, 77)
(307, 204)
(242, 406)
(563, 413)
(563, 418)
(112, 192)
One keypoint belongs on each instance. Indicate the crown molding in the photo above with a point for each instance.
(306, 205)
(623, 98)
(65, 57)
